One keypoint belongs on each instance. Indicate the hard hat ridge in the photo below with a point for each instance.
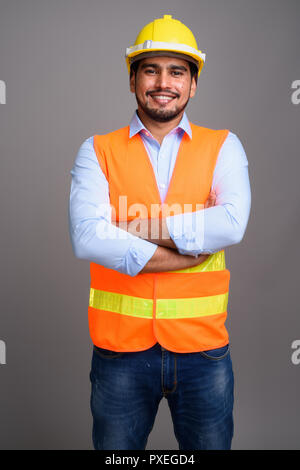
(165, 36)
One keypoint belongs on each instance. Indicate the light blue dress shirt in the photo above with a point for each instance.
(95, 239)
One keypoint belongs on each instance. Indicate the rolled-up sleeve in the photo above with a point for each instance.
(94, 238)
(210, 230)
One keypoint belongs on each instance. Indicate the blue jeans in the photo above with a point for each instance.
(127, 388)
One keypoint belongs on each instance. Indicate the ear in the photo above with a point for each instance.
(193, 87)
(132, 83)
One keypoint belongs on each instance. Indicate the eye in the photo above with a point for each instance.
(176, 73)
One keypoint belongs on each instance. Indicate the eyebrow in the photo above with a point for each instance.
(172, 67)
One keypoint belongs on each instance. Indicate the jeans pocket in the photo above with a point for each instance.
(107, 353)
(216, 354)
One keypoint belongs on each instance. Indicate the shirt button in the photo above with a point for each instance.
(162, 185)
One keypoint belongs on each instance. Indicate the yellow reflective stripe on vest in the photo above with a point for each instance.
(166, 308)
(215, 262)
(192, 307)
(120, 303)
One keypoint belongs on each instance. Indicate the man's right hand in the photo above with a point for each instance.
(211, 200)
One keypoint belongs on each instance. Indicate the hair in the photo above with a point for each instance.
(193, 69)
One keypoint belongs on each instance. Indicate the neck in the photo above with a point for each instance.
(159, 129)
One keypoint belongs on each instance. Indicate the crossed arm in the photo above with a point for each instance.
(177, 246)
(166, 256)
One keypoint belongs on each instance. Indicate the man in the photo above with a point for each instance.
(152, 207)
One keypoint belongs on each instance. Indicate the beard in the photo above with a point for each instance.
(161, 115)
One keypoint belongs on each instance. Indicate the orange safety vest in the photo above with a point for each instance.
(183, 310)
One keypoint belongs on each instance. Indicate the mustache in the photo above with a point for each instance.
(160, 90)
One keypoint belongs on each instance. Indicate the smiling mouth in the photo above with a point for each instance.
(161, 98)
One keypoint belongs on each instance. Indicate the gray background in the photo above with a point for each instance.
(63, 64)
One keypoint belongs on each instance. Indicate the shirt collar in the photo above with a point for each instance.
(137, 126)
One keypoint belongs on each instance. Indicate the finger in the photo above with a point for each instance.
(211, 200)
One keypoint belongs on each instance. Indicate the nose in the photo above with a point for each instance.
(163, 79)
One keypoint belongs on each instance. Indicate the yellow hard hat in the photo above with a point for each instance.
(165, 35)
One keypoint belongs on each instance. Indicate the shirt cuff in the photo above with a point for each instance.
(186, 230)
(138, 255)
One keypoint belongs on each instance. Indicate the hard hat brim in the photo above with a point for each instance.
(150, 47)
(177, 55)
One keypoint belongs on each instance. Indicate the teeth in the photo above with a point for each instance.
(163, 97)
